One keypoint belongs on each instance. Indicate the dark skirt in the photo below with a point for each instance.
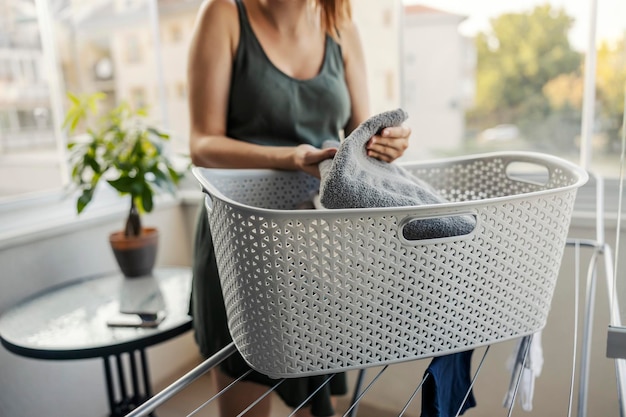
(212, 334)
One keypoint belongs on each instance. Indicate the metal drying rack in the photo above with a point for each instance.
(599, 248)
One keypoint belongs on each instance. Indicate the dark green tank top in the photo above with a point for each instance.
(268, 107)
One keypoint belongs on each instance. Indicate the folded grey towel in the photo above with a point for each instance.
(354, 180)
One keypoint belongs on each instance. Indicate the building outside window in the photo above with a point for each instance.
(133, 49)
(176, 33)
(180, 89)
(138, 97)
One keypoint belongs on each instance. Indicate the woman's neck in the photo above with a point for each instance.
(288, 17)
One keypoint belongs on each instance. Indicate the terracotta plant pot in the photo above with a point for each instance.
(135, 255)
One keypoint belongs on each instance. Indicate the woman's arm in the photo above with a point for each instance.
(393, 141)
(213, 47)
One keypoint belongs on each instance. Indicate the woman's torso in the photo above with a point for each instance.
(268, 107)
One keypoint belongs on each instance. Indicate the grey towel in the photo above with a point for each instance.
(354, 180)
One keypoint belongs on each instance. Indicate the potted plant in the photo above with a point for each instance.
(121, 148)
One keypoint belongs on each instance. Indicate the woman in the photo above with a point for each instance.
(269, 81)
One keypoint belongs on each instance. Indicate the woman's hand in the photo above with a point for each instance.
(307, 157)
(390, 144)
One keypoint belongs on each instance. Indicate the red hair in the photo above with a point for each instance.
(334, 13)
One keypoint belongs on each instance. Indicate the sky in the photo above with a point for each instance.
(611, 15)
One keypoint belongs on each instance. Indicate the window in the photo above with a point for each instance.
(445, 64)
(78, 47)
(472, 55)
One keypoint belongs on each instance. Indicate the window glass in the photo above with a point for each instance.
(510, 76)
(97, 45)
(25, 106)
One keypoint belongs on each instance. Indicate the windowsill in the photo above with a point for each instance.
(55, 214)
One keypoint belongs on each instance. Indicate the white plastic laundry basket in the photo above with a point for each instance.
(318, 291)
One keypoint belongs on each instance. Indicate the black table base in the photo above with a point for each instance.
(128, 381)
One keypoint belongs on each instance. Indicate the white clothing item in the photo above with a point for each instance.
(531, 369)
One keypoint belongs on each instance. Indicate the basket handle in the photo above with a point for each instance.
(530, 172)
(208, 202)
(429, 218)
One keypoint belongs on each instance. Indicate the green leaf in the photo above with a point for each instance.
(84, 200)
(159, 176)
(73, 98)
(158, 133)
(91, 162)
(175, 175)
(123, 184)
(146, 199)
(138, 187)
(67, 120)
(118, 142)
(162, 180)
(92, 101)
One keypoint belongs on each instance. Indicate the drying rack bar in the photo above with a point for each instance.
(184, 381)
(359, 392)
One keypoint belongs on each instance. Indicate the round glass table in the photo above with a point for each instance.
(74, 321)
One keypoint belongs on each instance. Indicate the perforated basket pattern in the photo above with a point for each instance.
(310, 292)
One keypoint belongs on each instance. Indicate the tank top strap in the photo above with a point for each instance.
(243, 16)
(248, 42)
(334, 56)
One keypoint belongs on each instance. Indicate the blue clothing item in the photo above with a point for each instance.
(447, 384)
